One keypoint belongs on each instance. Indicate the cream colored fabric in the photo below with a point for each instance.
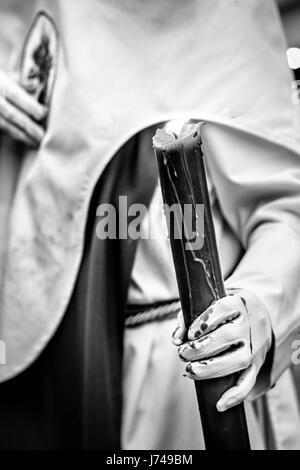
(153, 276)
(9, 170)
(260, 200)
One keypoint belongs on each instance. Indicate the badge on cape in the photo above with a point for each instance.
(39, 58)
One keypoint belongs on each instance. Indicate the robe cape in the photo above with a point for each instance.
(71, 396)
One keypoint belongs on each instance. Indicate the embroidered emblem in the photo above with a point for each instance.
(39, 58)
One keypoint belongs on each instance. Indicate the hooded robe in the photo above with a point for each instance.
(121, 68)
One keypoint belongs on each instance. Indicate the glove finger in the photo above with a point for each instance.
(180, 332)
(16, 133)
(237, 358)
(239, 393)
(222, 311)
(215, 342)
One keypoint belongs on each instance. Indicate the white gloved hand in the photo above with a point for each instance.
(20, 113)
(234, 334)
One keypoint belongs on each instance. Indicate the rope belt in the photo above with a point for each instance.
(140, 314)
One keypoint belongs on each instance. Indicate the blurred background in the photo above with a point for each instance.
(290, 12)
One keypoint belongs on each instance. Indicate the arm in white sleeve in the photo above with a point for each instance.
(258, 189)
